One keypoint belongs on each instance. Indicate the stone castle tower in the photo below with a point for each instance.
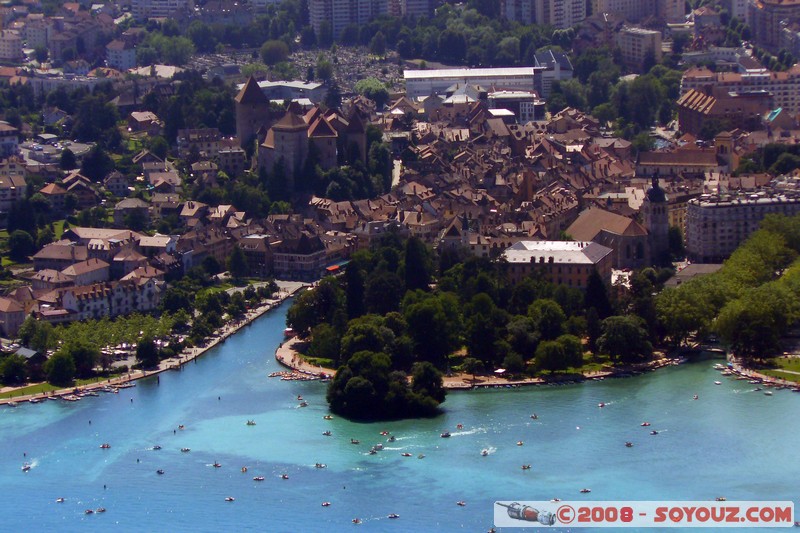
(252, 111)
(655, 211)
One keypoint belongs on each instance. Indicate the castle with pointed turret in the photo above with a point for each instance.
(297, 135)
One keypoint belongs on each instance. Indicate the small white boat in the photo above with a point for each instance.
(586, 491)
(59, 500)
(258, 478)
(26, 467)
(484, 452)
(767, 393)
(405, 454)
(445, 435)
(229, 499)
(717, 383)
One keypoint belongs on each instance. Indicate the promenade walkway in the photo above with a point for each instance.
(285, 290)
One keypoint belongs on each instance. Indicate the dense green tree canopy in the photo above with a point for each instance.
(60, 369)
(625, 338)
(147, 353)
(367, 389)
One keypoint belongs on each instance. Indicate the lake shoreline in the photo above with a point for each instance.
(302, 370)
(173, 363)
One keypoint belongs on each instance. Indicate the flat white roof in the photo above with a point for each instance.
(469, 72)
(562, 252)
(292, 84)
(295, 84)
(511, 94)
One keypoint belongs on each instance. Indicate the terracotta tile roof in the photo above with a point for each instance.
(594, 220)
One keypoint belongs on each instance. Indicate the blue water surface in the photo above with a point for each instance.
(732, 442)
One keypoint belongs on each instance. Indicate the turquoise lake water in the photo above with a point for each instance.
(731, 441)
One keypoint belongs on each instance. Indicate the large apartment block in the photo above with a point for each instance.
(767, 17)
(717, 224)
(783, 86)
(671, 11)
(637, 43)
(557, 13)
(145, 9)
(413, 8)
(341, 13)
(10, 45)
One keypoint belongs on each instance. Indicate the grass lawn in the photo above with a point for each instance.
(320, 361)
(32, 389)
(216, 288)
(46, 387)
(790, 363)
(781, 375)
(781, 363)
(58, 228)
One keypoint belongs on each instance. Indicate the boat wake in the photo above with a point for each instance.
(473, 431)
